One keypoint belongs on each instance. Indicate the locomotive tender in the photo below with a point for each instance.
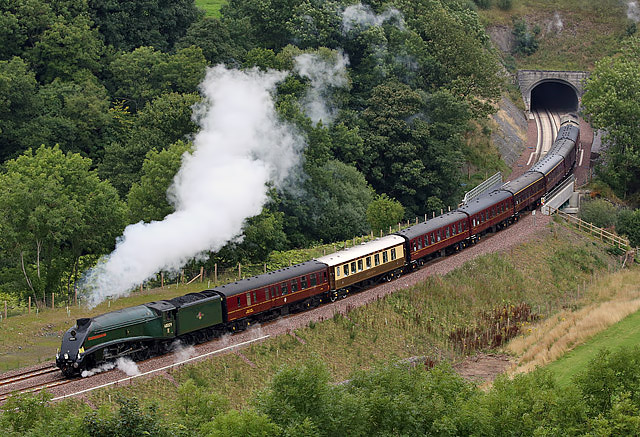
(150, 329)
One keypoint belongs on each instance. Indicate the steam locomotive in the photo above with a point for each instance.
(150, 329)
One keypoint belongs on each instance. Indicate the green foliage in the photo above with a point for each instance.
(610, 378)
(600, 212)
(505, 5)
(198, 405)
(532, 404)
(384, 212)
(526, 40)
(128, 24)
(214, 38)
(56, 210)
(144, 74)
(236, 423)
(130, 420)
(483, 4)
(628, 223)
(147, 199)
(612, 100)
(20, 413)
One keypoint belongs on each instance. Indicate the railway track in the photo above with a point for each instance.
(31, 381)
(547, 125)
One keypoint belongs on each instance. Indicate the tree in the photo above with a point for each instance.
(629, 224)
(18, 103)
(147, 198)
(55, 210)
(384, 212)
(73, 114)
(128, 24)
(21, 24)
(130, 420)
(215, 40)
(144, 74)
(612, 101)
(161, 123)
(66, 48)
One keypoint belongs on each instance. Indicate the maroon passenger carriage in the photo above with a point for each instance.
(273, 294)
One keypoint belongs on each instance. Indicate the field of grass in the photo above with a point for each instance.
(211, 7)
(624, 334)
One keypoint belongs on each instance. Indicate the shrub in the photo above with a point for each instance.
(599, 212)
(526, 40)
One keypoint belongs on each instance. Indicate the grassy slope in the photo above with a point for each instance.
(623, 334)
(590, 31)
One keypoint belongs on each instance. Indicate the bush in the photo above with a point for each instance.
(629, 225)
(483, 4)
(600, 212)
(526, 40)
(505, 5)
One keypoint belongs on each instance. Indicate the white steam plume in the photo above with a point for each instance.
(324, 74)
(633, 11)
(240, 148)
(556, 25)
(360, 15)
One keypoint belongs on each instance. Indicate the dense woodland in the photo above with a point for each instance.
(96, 102)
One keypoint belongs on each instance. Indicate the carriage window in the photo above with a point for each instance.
(385, 257)
(474, 222)
(433, 238)
(313, 279)
(255, 299)
(239, 303)
(459, 227)
(360, 263)
(338, 271)
(368, 262)
(439, 235)
(353, 267)
(346, 269)
(294, 286)
(453, 230)
(303, 282)
(248, 298)
(393, 254)
(420, 245)
(283, 287)
(415, 246)
(376, 259)
(447, 232)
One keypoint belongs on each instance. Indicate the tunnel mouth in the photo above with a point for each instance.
(554, 96)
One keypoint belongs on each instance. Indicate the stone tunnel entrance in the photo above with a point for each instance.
(557, 90)
(555, 96)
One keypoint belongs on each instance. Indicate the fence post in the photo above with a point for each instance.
(239, 271)
(53, 303)
(201, 274)
(161, 279)
(215, 272)
(5, 310)
(140, 288)
(265, 267)
(29, 304)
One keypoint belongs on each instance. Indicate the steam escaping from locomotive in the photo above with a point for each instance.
(242, 146)
(633, 11)
(362, 17)
(325, 73)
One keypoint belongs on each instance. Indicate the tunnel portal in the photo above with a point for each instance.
(555, 96)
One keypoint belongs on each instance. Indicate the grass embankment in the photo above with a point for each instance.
(425, 320)
(574, 34)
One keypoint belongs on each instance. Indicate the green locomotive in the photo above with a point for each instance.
(141, 331)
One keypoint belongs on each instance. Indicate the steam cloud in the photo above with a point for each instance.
(360, 15)
(556, 25)
(633, 11)
(240, 148)
(126, 365)
(324, 74)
